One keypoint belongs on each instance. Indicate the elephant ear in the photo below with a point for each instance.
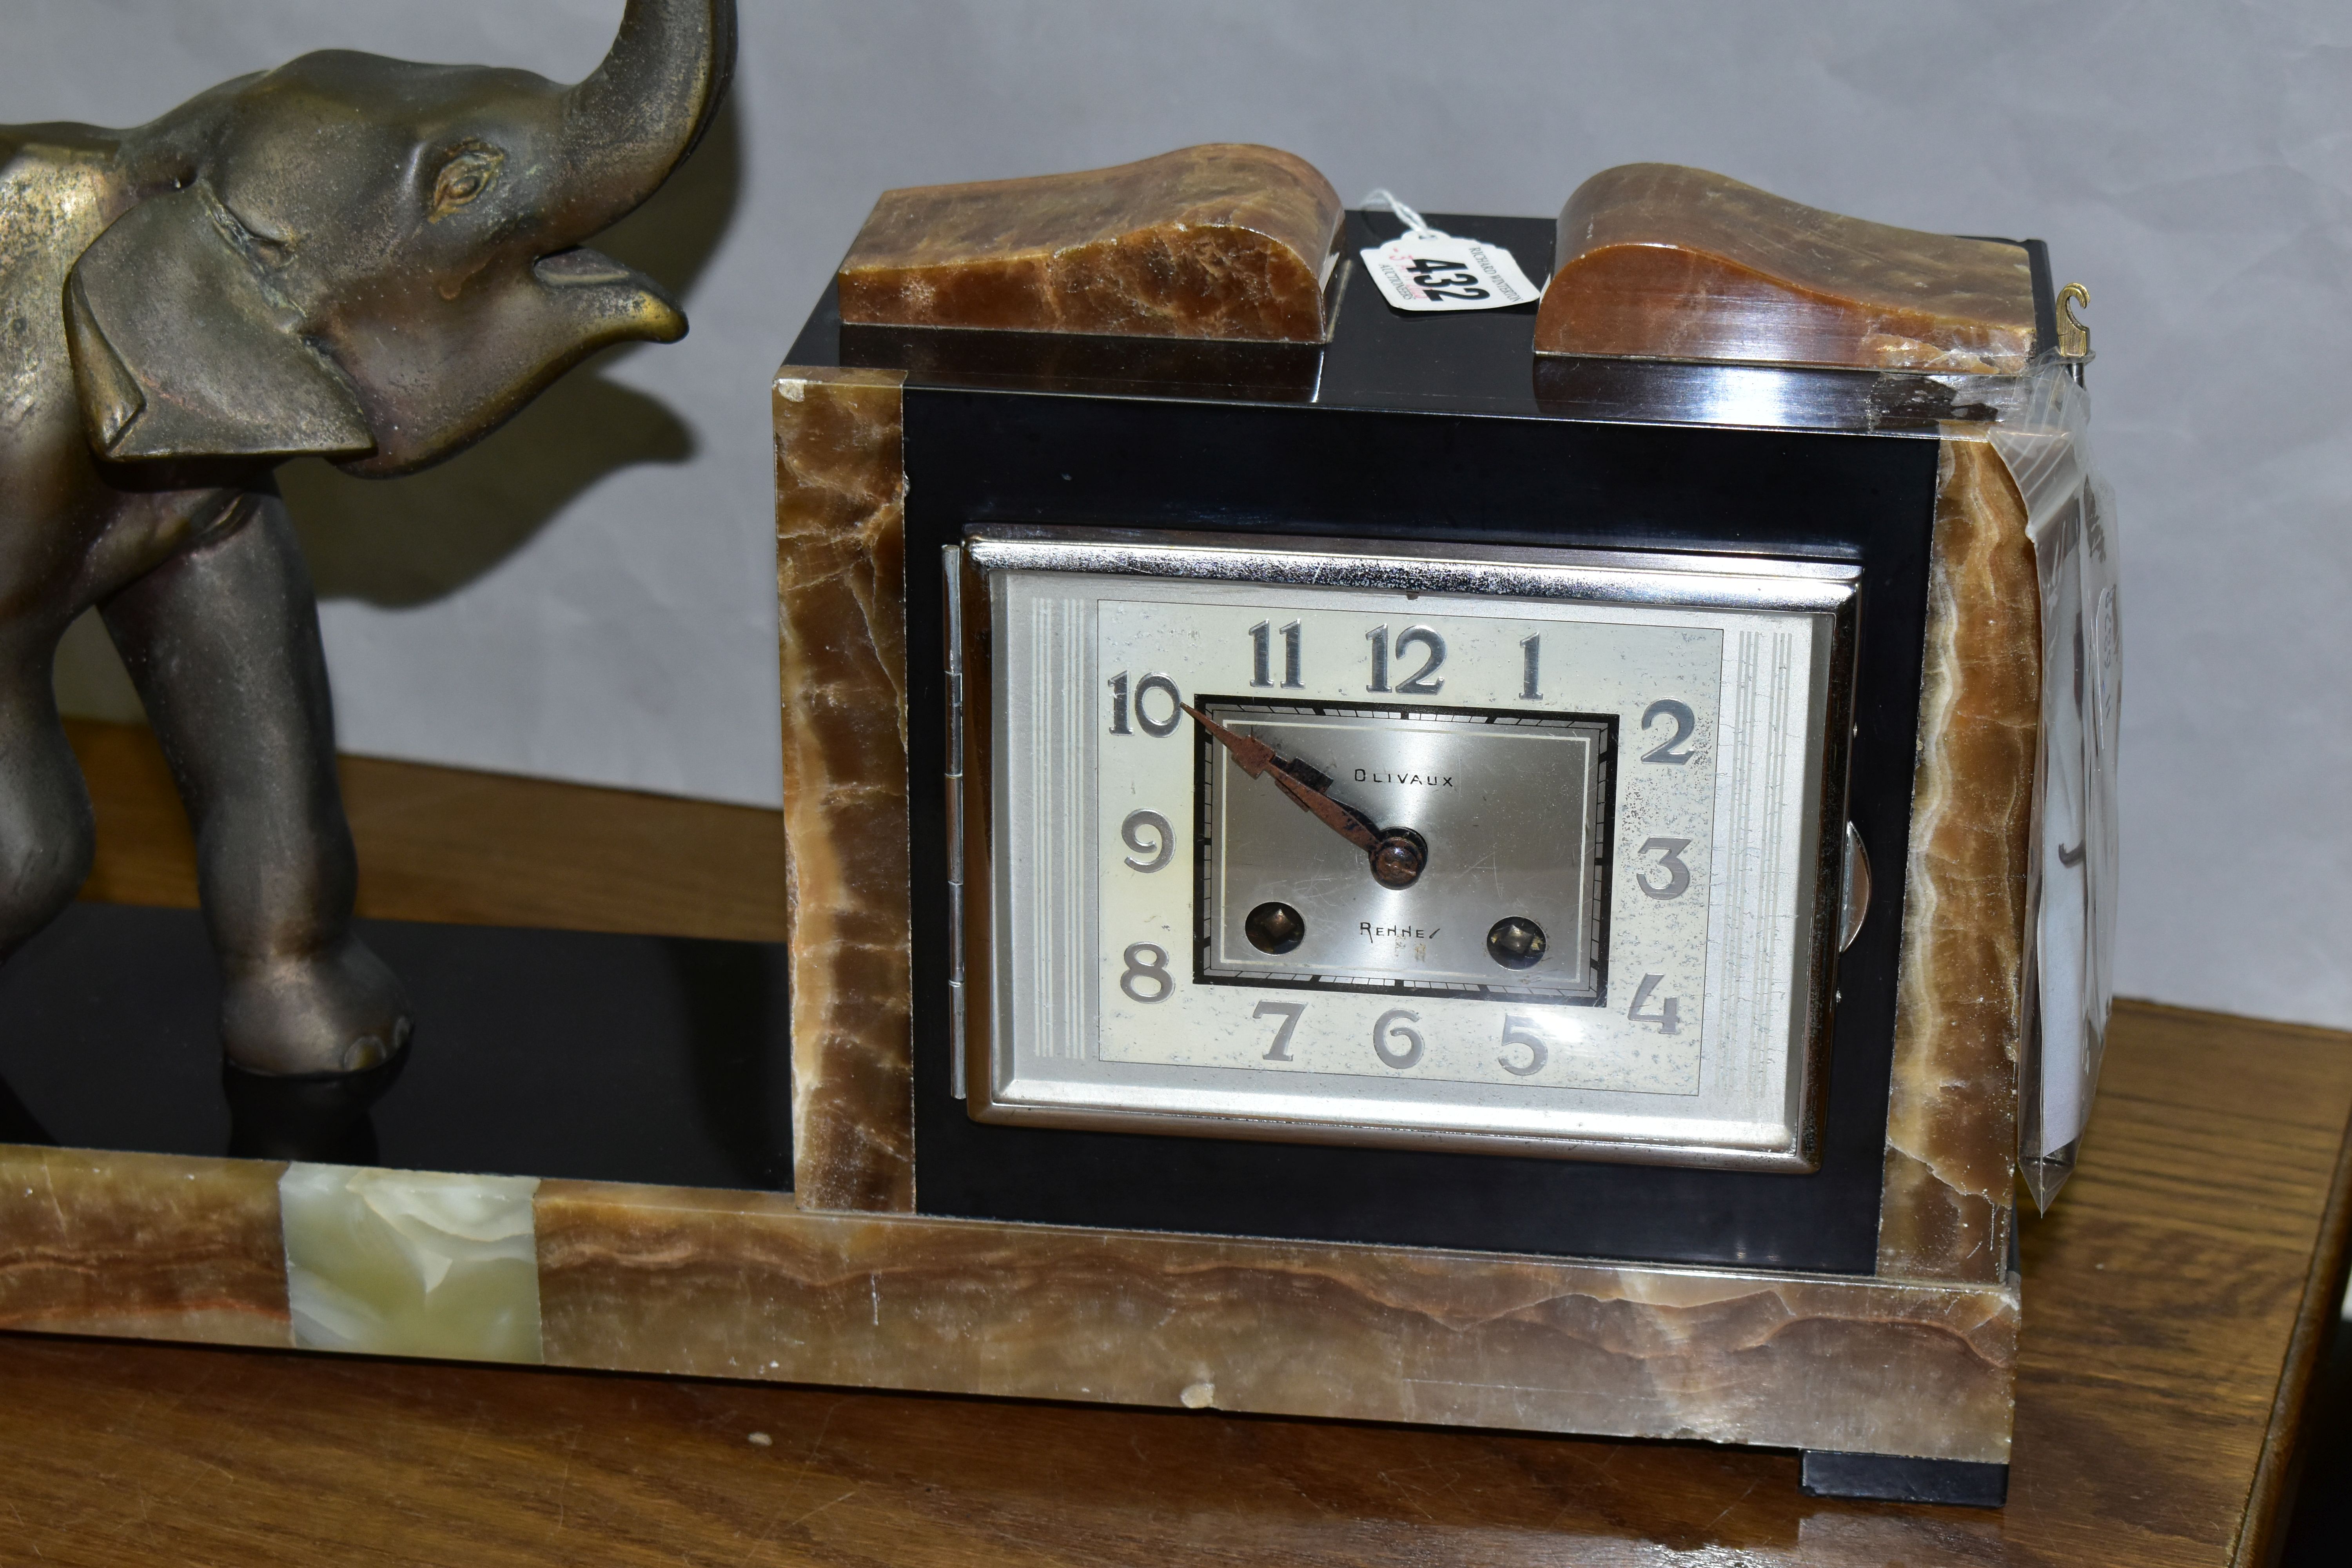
(181, 348)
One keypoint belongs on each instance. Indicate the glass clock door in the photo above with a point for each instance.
(1524, 850)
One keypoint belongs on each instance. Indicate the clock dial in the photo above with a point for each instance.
(1325, 859)
(1482, 816)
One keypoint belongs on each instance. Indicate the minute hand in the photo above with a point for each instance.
(1296, 779)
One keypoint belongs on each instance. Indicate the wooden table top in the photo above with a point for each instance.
(2175, 1302)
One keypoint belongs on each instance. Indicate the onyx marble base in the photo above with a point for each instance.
(720, 1284)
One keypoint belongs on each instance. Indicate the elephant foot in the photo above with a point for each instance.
(335, 1013)
(320, 1117)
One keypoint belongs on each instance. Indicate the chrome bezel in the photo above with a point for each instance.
(1615, 577)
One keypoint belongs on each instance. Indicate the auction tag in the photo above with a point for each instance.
(1427, 270)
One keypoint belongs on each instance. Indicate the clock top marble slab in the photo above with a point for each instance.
(1379, 358)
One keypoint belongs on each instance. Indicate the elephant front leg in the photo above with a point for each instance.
(222, 641)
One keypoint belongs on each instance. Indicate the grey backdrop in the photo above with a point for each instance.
(588, 596)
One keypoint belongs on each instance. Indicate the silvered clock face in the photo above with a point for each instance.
(1520, 853)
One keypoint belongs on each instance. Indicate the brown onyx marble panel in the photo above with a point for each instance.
(1659, 261)
(141, 1246)
(739, 1285)
(1951, 1110)
(1225, 240)
(840, 565)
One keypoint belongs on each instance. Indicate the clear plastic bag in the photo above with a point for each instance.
(2069, 984)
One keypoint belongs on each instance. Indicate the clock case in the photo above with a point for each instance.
(1866, 1310)
(1435, 429)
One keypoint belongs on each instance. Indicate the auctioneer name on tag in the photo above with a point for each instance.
(1428, 269)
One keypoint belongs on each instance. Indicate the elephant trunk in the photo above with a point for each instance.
(632, 121)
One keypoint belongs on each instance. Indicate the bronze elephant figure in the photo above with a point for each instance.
(374, 261)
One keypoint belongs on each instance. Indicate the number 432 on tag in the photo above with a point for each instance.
(1443, 272)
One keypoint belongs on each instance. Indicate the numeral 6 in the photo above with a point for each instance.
(1383, 1034)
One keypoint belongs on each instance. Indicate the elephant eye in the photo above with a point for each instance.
(268, 251)
(464, 177)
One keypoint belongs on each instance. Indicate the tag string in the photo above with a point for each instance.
(1416, 228)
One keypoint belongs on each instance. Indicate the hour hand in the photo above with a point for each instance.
(1296, 779)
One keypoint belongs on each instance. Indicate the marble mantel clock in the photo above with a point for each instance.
(1467, 869)
(1541, 868)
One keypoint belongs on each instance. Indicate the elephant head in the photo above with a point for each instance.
(376, 261)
